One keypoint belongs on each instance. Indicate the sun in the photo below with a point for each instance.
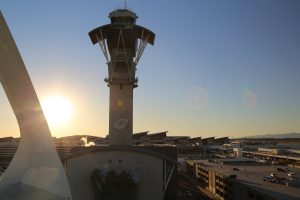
(57, 109)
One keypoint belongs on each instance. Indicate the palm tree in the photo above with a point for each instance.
(126, 181)
(113, 185)
(97, 179)
(111, 180)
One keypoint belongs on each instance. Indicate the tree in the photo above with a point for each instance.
(97, 179)
(111, 181)
(126, 181)
(113, 185)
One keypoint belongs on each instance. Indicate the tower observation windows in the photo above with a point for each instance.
(122, 20)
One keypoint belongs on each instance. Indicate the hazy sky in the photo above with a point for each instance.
(217, 68)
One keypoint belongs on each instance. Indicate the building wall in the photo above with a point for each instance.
(147, 170)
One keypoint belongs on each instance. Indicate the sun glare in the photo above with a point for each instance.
(57, 109)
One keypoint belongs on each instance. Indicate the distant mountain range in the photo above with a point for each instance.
(280, 135)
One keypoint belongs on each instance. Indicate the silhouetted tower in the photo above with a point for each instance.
(122, 43)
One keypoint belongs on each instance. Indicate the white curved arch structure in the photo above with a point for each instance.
(36, 172)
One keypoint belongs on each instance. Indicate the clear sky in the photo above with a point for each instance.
(217, 68)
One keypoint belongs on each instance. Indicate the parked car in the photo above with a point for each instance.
(291, 174)
(235, 169)
(286, 169)
(281, 180)
(279, 169)
(269, 179)
(273, 174)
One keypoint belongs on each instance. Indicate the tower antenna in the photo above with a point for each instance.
(125, 5)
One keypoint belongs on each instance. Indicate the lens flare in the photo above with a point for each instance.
(196, 98)
(249, 99)
(120, 103)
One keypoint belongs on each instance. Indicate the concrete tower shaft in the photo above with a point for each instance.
(122, 43)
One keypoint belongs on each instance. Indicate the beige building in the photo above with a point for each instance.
(151, 171)
(245, 180)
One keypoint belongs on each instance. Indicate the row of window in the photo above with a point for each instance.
(110, 161)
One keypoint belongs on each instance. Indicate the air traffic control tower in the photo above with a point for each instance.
(122, 43)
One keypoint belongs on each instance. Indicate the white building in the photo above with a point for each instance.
(151, 171)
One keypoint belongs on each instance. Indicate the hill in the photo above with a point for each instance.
(280, 135)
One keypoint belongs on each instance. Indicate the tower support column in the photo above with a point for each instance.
(120, 114)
